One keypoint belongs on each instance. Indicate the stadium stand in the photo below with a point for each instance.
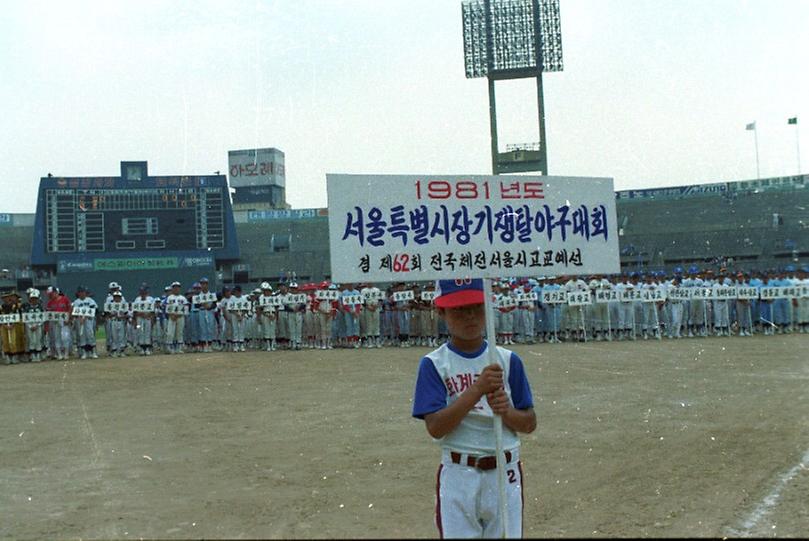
(753, 225)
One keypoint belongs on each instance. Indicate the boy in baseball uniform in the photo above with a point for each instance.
(457, 394)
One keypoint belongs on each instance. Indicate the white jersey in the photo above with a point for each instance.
(454, 372)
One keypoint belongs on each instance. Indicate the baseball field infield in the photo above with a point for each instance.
(699, 437)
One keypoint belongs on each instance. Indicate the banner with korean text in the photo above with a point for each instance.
(426, 227)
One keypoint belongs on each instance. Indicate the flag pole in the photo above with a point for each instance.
(755, 136)
(498, 421)
(797, 146)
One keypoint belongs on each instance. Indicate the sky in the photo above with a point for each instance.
(653, 93)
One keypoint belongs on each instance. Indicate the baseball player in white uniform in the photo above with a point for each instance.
(176, 307)
(457, 394)
(371, 314)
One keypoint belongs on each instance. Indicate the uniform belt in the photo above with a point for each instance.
(481, 463)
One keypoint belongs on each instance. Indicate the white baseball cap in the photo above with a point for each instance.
(33, 293)
(114, 285)
(266, 285)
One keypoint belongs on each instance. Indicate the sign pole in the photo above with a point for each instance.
(750, 315)
(583, 325)
(491, 349)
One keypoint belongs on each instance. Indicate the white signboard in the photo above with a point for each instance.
(295, 298)
(629, 295)
(376, 295)
(427, 296)
(775, 292)
(426, 227)
(143, 306)
(116, 307)
(705, 293)
(352, 299)
(526, 297)
(578, 298)
(58, 316)
(84, 311)
(557, 296)
(34, 318)
(240, 304)
(175, 308)
(791, 292)
(652, 295)
(679, 293)
(204, 298)
(746, 292)
(506, 301)
(327, 294)
(256, 167)
(9, 319)
(725, 292)
(272, 300)
(401, 296)
(606, 295)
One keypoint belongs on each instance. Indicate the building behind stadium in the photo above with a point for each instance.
(239, 229)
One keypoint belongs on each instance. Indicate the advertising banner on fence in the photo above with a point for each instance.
(425, 227)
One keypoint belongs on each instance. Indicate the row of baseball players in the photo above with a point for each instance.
(402, 315)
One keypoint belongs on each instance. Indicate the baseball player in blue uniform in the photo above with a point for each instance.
(457, 394)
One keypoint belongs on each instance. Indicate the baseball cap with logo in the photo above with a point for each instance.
(458, 292)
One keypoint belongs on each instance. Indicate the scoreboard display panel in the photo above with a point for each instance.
(94, 216)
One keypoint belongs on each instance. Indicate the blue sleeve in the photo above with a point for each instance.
(431, 393)
(520, 389)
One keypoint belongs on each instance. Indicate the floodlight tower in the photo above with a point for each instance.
(513, 39)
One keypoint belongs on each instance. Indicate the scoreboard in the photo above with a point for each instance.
(133, 215)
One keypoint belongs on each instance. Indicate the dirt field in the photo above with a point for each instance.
(652, 439)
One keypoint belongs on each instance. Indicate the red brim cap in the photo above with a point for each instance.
(461, 298)
(455, 293)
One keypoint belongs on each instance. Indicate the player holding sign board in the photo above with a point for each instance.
(295, 305)
(205, 302)
(84, 321)
(34, 318)
(12, 330)
(176, 309)
(267, 313)
(402, 303)
(237, 308)
(373, 297)
(143, 312)
(350, 307)
(745, 294)
(415, 228)
(58, 326)
(118, 315)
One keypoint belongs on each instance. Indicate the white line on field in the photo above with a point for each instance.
(770, 500)
(89, 430)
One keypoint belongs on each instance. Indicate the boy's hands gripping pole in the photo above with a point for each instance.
(490, 383)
